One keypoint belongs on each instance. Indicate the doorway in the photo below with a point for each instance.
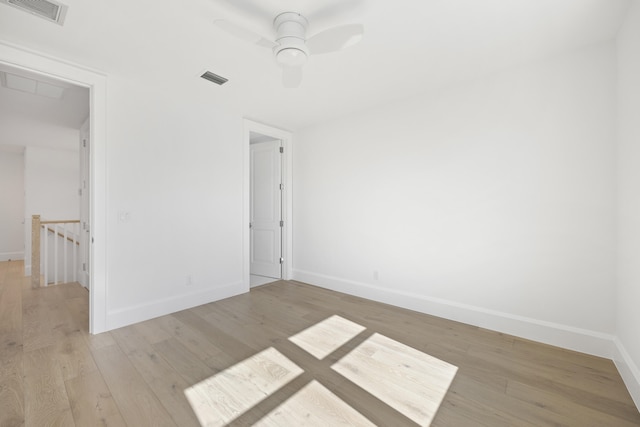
(32, 62)
(48, 119)
(266, 223)
(267, 252)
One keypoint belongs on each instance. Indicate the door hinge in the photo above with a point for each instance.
(281, 187)
(281, 260)
(84, 266)
(281, 149)
(79, 191)
(84, 143)
(281, 223)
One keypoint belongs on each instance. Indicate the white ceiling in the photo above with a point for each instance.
(409, 47)
(70, 110)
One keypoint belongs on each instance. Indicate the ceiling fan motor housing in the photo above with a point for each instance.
(291, 28)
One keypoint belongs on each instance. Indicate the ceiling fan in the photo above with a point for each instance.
(291, 48)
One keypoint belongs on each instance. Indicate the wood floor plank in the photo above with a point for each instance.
(45, 395)
(560, 407)
(11, 319)
(138, 404)
(233, 349)
(162, 379)
(74, 357)
(78, 311)
(46, 318)
(221, 398)
(578, 388)
(188, 365)
(11, 388)
(99, 341)
(152, 330)
(91, 402)
(314, 405)
(395, 373)
(190, 337)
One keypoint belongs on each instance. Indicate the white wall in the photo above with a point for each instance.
(628, 320)
(491, 203)
(12, 205)
(177, 172)
(51, 188)
(22, 131)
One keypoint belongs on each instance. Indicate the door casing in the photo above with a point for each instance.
(36, 62)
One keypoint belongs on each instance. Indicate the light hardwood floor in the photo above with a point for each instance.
(52, 372)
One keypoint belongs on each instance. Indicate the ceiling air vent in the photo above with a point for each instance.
(208, 75)
(47, 9)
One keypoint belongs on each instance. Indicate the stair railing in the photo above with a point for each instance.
(56, 241)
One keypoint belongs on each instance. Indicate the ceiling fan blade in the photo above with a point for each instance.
(244, 34)
(291, 77)
(335, 38)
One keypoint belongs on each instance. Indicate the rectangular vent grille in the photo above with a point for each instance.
(208, 75)
(47, 9)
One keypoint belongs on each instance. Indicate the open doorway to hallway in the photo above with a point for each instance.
(96, 82)
(44, 136)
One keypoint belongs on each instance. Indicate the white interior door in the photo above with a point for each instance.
(266, 209)
(83, 273)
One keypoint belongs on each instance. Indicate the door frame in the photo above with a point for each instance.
(287, 211)
(37, 62)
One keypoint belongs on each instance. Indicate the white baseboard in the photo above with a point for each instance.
(582, 340)
(139, 313)
(628, 371)
(13, 256)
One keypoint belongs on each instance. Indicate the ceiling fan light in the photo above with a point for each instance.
(291, 57)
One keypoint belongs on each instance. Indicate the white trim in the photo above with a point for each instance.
(6, 256)
(26, 59)
(287, 215)
(569, 337)
(149, 310)
(629, 371)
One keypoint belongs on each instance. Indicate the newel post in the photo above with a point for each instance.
(35, 251)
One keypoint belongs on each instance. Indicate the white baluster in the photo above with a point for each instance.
(55, 254)
(45, 233)
(75, 252)
(64, 252)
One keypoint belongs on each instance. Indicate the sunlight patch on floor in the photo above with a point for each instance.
(225, 396)
(410, 381)
(327, 336)
(314, 405)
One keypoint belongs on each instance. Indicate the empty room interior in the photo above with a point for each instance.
(320, 212)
